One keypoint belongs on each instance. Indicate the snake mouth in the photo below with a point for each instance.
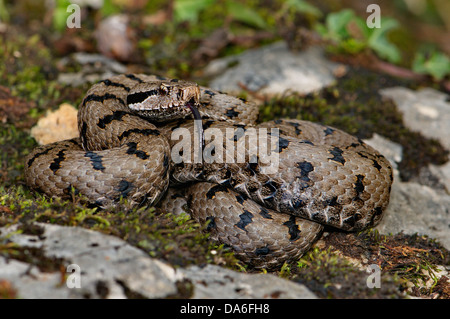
(192, 105)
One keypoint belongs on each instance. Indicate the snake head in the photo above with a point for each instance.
(164, 100)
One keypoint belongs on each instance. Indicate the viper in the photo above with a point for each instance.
(129, 149)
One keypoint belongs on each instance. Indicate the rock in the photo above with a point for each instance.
(416, 208)
(273, 69)
(56, 126)
(111, 268)
(94, 67)
(443, 173)
(216, 282)
(426, 111)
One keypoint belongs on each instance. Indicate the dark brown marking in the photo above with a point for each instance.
(124, 188)
(240, 199)
(305, 168)
(166, 161)
(337, 155)
(265, 213)
(263, 251)
(376, 165)
(132, 150)
(210, 93)
(145, 132)
(56, 164)
(83, 133)
(231, 112)
(116, 116)
(31, 160)
(134, 78)
(298, 131)
(110, 83)
(359, 185)
(282, 144)
(96, 160)
(328, 131)
(294, 231)
(102, 98)
(211, 223)
(216, 188)
(139, 97)
(245, 219)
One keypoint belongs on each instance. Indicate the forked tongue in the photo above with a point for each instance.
(198, 126)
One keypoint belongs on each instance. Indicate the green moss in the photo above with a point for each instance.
(409, 259)
(175, 238)
(413, 258)
(23, 60)
(14, 146)
(27, 68)
(328, 275)
(31, 255)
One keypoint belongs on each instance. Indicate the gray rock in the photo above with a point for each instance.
(426, 111)
(111, 268)
(94, 67)
(443, 174)
(416, 208)
(30, 283)
(104, 261)
(216, 282)
(273, 69)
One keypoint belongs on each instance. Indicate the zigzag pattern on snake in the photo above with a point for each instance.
(126, 123)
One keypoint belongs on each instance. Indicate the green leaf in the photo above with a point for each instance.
(60, 14)
(386, 50)
(321, 29)
(362, 25)
(188, 10)
(109, 8)
(378, 41)
(437, 65)
(245, 14)
(337, 22)
(387, 24)
(303, 7)
(4, 15)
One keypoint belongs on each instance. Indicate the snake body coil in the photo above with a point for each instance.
(126, 147)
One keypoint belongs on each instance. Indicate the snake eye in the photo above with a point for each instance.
(163, 89)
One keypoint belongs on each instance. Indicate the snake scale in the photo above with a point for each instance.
(125, 151)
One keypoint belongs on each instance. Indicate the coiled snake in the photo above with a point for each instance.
(126, 151)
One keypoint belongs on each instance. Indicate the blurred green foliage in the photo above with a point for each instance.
(352, 35)
(432, 62)
(348, 32)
